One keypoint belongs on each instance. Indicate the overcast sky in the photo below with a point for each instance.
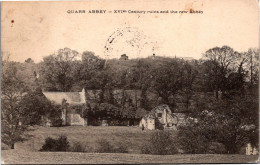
(41, 28)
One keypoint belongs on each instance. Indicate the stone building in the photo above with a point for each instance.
(161, 117)
(69, 100)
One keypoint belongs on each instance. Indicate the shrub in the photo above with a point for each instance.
(114, 123)
(60, 144)
(80, 147)
(216, 148)
(121, 148)
(191, 141)
(56, 122)
(160, 143)
(104, 146)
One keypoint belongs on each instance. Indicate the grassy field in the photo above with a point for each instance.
(28, 151)
(14, 156)
(134, 137)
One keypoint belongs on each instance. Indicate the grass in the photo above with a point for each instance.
(28, 151)
(14, 156)
(134, 137)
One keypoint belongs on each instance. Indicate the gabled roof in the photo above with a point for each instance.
(70, 97)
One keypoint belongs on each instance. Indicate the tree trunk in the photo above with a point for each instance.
(12, 146)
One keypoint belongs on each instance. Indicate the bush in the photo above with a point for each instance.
(104, 146)
(191, 141)
(56, 122)
(121, 148)
(114, 123)
(217, 148)
(79, 147)
(60, 144)
(160, 143)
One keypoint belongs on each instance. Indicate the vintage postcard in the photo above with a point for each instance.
(134, 82)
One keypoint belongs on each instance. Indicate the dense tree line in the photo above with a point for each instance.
(221, 77)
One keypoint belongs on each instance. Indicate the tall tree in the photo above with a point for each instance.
(252, 64)
(56, 70)
(219, 63)
(90, 66)
(13, 122)
(167, 79)
(189, 79)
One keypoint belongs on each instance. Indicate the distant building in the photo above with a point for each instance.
(69, 115)
(161, 117)
(124, 57)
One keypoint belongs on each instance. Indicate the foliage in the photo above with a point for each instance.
(56, 70)
(219, 63)
(80, 147)
(160, 143)
(216, 148)
(103, 110)
(225, 122)
(223, 83)
(38, 107)
(121, 148)
(190, 74)
(191, 141)
(104, 146)
(13, 116)
(29, 60)
(167, 80)
(60, 144)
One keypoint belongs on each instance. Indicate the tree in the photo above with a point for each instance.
(29, 60)
(140, 80)
(38, 107)
(167, 80)
(226, 122)
(56, 70)
(102, 111)
(252, 64)
(13, 122)
(89, 67)
(21, 104)
(219, 63)
(189, 77)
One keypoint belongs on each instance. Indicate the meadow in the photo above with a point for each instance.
(134, 137)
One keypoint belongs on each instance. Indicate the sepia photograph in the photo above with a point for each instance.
(130, 82)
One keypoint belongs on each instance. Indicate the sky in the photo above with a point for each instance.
(38, 29)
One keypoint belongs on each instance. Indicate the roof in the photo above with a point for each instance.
(161, 108)
(70, 97)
